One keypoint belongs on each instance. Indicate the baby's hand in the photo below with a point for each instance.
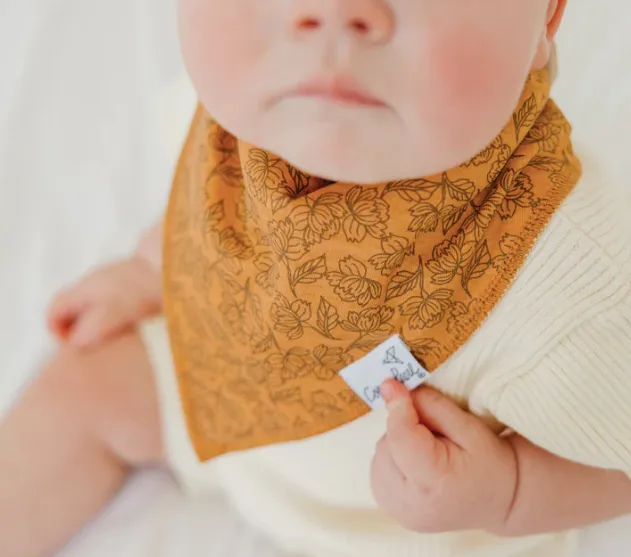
(105, 302)
(439, 468)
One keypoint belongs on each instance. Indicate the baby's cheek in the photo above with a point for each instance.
(476, 87)
(466, 73)
(217, 58)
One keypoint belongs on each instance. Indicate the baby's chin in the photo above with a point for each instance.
(380, 148)
(366, 161)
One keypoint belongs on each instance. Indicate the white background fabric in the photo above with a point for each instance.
(93, 106)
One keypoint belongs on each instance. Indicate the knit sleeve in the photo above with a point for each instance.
(576, 403)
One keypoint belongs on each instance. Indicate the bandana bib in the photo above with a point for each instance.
(275, 281)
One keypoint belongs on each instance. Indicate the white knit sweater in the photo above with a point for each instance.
(552, 362)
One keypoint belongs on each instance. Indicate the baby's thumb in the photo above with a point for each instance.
(444, 417)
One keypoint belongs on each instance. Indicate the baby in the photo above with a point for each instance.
(238, 344)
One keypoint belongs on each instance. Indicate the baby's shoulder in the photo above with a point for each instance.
(597, 215)
(577, 278)
(581, 264)
(582, 259)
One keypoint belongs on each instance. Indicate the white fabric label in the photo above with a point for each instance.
(390, 359)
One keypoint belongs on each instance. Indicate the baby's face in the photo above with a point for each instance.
(364, 90)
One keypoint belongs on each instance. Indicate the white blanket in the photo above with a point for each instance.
(93, 106)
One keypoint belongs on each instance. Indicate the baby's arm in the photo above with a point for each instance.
(556, 494)
(574, 403)
(439, 468)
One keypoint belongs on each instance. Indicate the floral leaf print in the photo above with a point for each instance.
(300, 426)
(478, 265)
(233, 266)
(329, 362)
(460, 190)
(546, 137)
(232, 314)
(214, 327)
(367, 344)
(261, 343)
(518, 194)
(509, 245)
(223, 141)
(222, 405)
(284, 240)
(351, 283)
(263, 173)
(500, 164)
(280, 197)
(451, 215)
(319, 219)
(283, 367)
(457, 314)
(287, 396)
(446, 267)
(256, 371)
(229, 280)
(548, 164)
(428, 311)
(413, 190)
(260, 239)
(404, 282)
(351, 266)
(349, 398)
(367, 214)
(269, 420)
(486, 155)
(309, 272)
(370, 320)
(324, 404)
(448, 259)
(242, 209)
(395, 249)
(269, 272)
(299, 179)
(254, 311)
(327, 318)
(484, 214)
(230, 173)
(411, 196)
(214, 215)
(231, 243)
(426, 218)
(290, 318)
(525, 117)
(422, 346)
(246, 389)
(561, 179)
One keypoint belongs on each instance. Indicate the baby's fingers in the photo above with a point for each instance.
(64, 311)
(416, 451)
(98, 324)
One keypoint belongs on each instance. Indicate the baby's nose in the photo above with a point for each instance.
(368, 20)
